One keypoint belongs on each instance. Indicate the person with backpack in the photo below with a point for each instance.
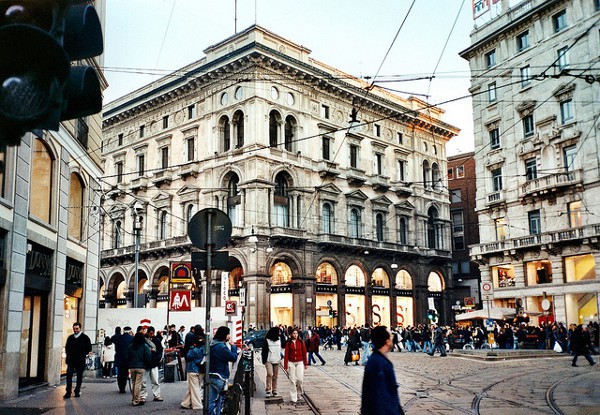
(195, 374)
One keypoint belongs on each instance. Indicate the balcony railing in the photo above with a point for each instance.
(551, 182)
(496, 198)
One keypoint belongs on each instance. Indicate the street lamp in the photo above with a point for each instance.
(137, 227)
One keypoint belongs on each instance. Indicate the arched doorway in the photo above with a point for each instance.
(354, 281)
(326, 297)
(282, 311)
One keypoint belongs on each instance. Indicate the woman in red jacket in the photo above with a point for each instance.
(295, 362)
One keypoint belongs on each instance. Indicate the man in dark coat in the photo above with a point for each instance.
(122, 342)
(379, 388)
(580, 345)
(438, 341)
(78, 346)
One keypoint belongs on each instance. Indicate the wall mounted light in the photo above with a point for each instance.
(253, 240)
(269, 248)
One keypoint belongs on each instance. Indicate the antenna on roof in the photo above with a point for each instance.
(235, 17)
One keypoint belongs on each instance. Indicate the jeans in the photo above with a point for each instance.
(215, 400)
(311, 358)
(71, 369)
(427, 346)
(366, 352)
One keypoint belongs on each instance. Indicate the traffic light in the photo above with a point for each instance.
(38, 86)
(333, 313)
(432, 315)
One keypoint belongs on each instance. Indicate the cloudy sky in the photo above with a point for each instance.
(146, 39)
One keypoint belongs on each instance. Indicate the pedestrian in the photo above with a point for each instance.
(379, 388)
(271, 357)
(151, 373)
(195, 374)
(107, 357)
(222, 352)
(313, 349)
(77, 347)
(189, 338)
(122, 341)
(581, 343)
(138, 359)
(438, 341)
(352, 348)
(365, 339)
(295, 362)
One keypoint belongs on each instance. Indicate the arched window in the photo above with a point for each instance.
(435, 176)
(274, 123)
(403, 230)
(380, 278)
(236, 275)
(426, 173)
(238, 124)
(281, 273)
(435, 283)
(76, 206)
(403, 280)
(354, 223)
(282, 214)
(355, 277)
(118, 235)
(379, 223)
(225, 130)
(327, 219)
(163, 225)
(42, 178)
(433, 228)
(290, 132)
(233, 199)
(189, 212)
(326, 274)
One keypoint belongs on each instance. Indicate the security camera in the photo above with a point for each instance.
(138, 208)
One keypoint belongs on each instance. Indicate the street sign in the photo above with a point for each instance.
(487, 291)
(242, 297)
(180, 300)
(230, 307)
(181, 273)
(220, 228)
(220, 260)
(469, 301)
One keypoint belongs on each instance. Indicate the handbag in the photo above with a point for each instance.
(355, 356)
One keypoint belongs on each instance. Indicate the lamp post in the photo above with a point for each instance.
(137, 227)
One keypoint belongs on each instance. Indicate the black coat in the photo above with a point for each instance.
(77, 349)
(581, 341)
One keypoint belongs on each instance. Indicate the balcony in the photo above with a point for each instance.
(162, 177)
(380, 183)
(551, 183)
(139, 183)
(189, 169)
(328, 169)
(355, 177)
(496, 198)
(402, 189)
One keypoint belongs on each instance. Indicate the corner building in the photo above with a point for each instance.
(325, 217)
(537, 150)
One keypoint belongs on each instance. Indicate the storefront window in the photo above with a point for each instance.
(435, 282)
(380, 278)
(503, 276)
(326, 274)
(581, 308)
(539, 272)
(403, 280)
(71, 305)
(380, 310)
(235, 277)
(404, 311)
(580, 267)
(281, 274)
(355, 277)
(281, 309)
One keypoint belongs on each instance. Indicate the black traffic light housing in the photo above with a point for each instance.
(432, 315)
(38, 85)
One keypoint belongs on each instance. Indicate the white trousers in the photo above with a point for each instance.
(296, 372)
(193, 396)
(152, 376)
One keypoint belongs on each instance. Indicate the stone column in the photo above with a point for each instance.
(560, 307)
(519, 269)
(152, 294)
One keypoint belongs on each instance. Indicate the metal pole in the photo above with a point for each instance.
(137, 257)
(208, 300)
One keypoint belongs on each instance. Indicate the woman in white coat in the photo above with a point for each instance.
(107, 358)
(271, 357)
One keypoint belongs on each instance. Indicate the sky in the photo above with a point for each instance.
(393, 41)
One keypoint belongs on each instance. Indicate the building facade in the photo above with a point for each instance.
(328, 217)
(536, 150)
(49, 246)
(465, 229)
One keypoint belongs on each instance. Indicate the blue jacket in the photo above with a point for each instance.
(193, 358)
(379, 389)
(220, 356)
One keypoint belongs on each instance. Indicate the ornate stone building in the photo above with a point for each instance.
(537, 151)
(327, 216)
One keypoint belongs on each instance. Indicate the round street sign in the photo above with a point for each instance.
(220, 228)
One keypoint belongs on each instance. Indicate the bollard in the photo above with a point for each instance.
(248, 362)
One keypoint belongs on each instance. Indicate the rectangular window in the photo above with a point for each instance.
(164, 156)
(119, 167)
(325, 111)
(494, 138)
(165, 121)
(377, 130)
(566, 111)
(379, 163)
(597, 4)
(460, 172)
(523, 41)
(465, 267)
(490, 58)
(457, 222)
(142, 130)
(2, 175)
(535, 222)
(353, 156)
(190, 149)
(401, 170)
(459, 242)
(451, 174)
(497, 180)
(401, 136)
(531, 169)
(120, 139)
(563, 58)
(525, 76)
(575, 218)
(559, 21)
(141, 167)
(492, 92)
(191, 112)
(326, 148)
(455, 196)
(569, 154)
(528, 126)
(501, 230)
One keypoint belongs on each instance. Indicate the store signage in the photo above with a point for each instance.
(181, 273)
(180, 300)
(230, 307)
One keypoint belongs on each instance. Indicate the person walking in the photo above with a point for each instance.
(580, 345)
(438, 341)
(107, 357)
(379, 388)
(151, 373)
(313, 349)
(222, 352)
(295, 362)
(138, 359)
(365, 339)
(352, 348)
(271, 357)
(122, 343)
(195, 374)
(77, 347)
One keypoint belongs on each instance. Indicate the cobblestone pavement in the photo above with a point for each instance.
(454, 385)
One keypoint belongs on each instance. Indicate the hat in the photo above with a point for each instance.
(145, 323)
(126, 328)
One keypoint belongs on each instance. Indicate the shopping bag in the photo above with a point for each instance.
(557, 347)
(355, 356)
